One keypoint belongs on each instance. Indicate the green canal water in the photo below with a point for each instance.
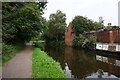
(81, 63)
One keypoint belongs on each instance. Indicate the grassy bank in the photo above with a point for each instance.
(44, 66)
(9, 51)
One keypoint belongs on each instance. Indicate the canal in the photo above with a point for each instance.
(81, 63)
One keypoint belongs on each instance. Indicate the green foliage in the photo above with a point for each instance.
(56, 44)
(21, 21)
(81, 41)
(56, 27)
(83, 24)
(44, 66)
(90, 43)
(9, 51)
(109, 26)
(101, 20)
(78, 41)
(39, 44)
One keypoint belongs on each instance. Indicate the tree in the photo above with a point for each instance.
(56, 27)
(109, 26)
(101, 20)
(83, 24)
(21, 21)
(98, 26)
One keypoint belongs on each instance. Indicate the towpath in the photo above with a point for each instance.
(20, 66)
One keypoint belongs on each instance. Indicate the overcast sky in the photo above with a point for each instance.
(92, 9)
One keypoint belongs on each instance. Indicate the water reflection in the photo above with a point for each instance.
(101, 75)
(80, 63)
(108, 60)
(108, 64)
(68, 71)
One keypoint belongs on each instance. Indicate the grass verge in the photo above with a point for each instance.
(44, 66)
(9, 51)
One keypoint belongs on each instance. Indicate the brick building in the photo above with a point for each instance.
(69, 35)
(106, 39)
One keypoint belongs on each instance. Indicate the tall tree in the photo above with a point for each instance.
(21, 21)
(83, 24)
(56, 26)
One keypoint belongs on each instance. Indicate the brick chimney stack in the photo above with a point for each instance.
(69, 35)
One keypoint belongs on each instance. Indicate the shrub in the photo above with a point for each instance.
(9, 51)
(39, 44)
(78, 41)
(81, 41)
(90, 43)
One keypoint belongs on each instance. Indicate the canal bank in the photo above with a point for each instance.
(80, 63)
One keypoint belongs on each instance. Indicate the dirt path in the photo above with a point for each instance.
(20, 66)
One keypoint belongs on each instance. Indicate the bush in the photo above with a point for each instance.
(9, 51)
(81, 41)
(78, 41)
(44, 66)
(90, 43)
(39, 44)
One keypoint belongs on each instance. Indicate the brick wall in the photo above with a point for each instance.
(109, 36)
(102, 36)
(116, 35)
(69, 35)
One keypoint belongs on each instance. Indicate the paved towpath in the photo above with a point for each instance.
(20, 66)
